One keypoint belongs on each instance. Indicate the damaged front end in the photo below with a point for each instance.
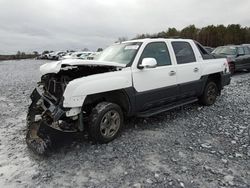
(46, 114)
(43, 118)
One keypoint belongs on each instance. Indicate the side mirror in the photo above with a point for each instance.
(148, 63)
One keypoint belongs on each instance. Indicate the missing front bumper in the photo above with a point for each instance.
(44, 119)
(54, 111)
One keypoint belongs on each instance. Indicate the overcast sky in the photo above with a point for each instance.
(29, 25)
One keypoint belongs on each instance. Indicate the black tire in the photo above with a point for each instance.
(210, 94)
(105, 122)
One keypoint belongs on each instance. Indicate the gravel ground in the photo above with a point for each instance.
(193, 146)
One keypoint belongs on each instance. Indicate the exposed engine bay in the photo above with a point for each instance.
(55, 83)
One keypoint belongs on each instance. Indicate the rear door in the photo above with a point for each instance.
(188, 68)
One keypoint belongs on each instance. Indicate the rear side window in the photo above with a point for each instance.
(204, 53)
(201, 49)
(241, 51)
(159, 51)
(183, 52)
(247, 50)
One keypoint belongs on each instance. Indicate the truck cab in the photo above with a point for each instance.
(134, 78)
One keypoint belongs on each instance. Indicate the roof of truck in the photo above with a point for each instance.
(157, 39)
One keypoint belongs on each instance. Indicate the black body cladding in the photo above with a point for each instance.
(143, 101)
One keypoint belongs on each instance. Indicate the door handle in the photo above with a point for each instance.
(196, 69)
(172, 73)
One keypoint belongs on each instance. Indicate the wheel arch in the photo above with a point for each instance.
(119, 97)
(216, 77)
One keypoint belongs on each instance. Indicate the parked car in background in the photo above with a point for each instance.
(76, 55)
(85, 55)
(56, 55)
(93, 55)
(43, 56)
(209, 49)
(238, 56)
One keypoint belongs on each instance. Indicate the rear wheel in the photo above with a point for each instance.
(105, 122)
(210, 94)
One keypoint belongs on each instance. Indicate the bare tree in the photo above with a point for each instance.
(121, 39)
(99, 50)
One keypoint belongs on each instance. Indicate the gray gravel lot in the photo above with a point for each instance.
(193, 146)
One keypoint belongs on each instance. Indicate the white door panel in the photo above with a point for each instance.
(188, 72)
(154, 78)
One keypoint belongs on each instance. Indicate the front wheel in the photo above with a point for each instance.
(210, 94)
(105, 122)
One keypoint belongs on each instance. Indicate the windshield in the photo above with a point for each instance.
(226, 50)
(123, 53)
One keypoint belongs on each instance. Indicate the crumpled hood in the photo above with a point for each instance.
(55, 67)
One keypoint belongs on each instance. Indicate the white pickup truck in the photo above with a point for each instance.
(134, 78)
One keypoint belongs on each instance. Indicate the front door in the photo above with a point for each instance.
(155, 86)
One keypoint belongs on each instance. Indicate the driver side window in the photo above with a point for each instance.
(159, 51)
(241, 51)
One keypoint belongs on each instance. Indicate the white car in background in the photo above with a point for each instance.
(76, 55)
(85, 55)
(93, 55)
(56, 55)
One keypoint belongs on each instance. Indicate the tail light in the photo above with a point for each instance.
(226, 65)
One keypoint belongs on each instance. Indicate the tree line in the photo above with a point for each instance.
(208, 36)
(19, 55)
